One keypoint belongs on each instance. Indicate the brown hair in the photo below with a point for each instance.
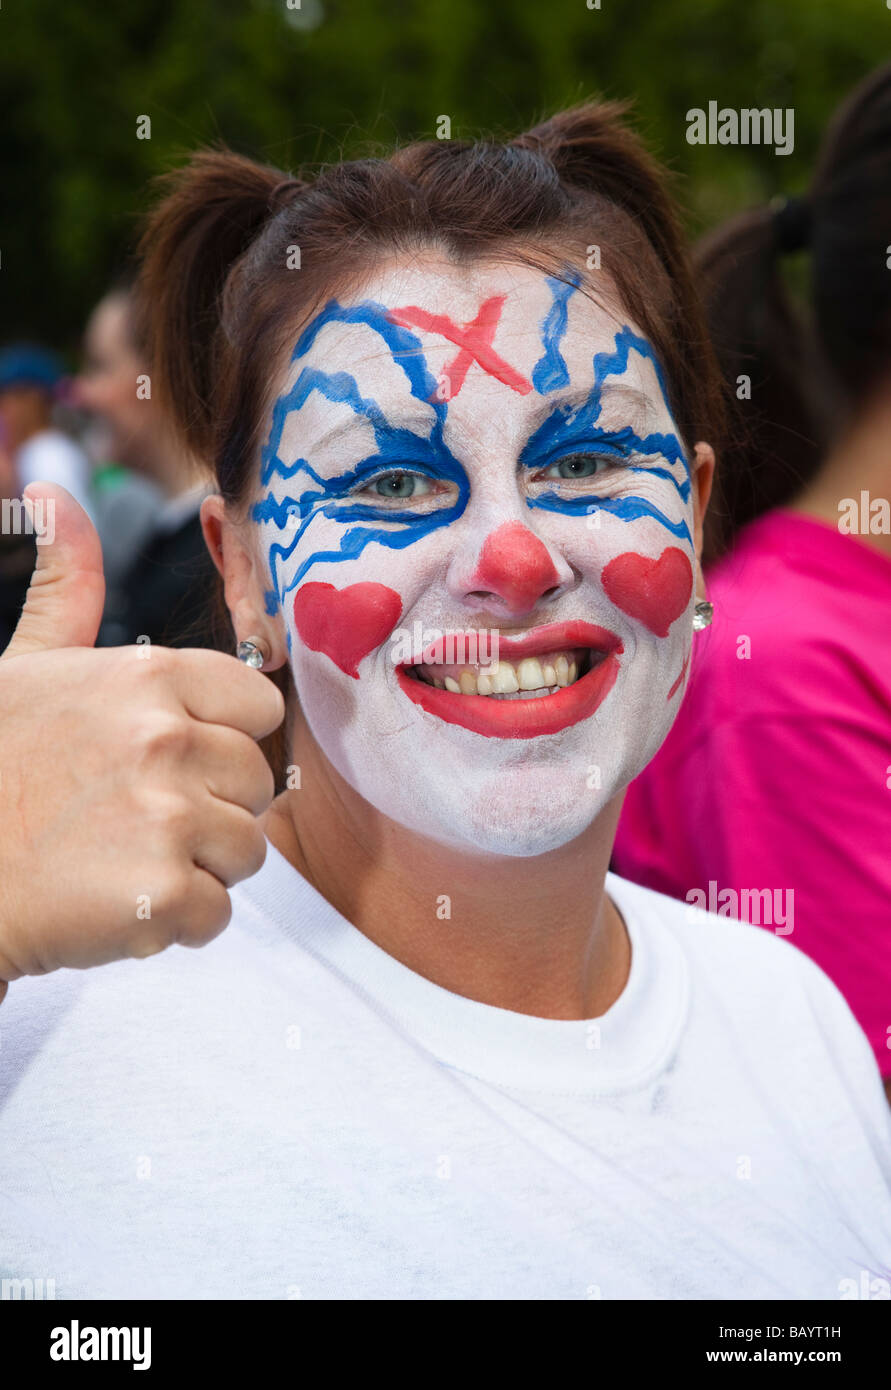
(223, 308)
(810, 372)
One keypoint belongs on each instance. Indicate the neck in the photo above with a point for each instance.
(537, 936)
(858, 462)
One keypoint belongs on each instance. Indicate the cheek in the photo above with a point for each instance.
(654, 592)
(346, 624)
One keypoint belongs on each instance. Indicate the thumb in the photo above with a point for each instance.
(63, 606)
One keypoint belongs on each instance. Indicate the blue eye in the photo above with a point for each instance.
(576, 466)
(400, 485)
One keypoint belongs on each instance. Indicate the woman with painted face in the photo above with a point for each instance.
(460, 406)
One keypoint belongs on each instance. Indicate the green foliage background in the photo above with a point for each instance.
(308, 84)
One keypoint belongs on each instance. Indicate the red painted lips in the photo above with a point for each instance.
(547, 714)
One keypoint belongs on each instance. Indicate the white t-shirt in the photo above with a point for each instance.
(51, 457)
(289, 1112)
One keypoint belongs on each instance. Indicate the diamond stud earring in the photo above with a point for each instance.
(702, 614)
(252, 651)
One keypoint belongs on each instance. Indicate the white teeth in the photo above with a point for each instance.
(505, 680)
(528, 694)
(529, 674)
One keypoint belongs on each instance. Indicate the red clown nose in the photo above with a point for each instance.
(515, 565)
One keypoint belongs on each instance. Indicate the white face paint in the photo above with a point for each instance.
(480, 450)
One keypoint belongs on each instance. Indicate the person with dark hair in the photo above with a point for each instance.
(457, 403)
(112, 389)
(160, 578)
(781, 754)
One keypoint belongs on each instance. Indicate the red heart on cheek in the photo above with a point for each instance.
(653, 591)
(346, 624)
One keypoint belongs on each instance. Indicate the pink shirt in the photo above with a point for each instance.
(772, 793)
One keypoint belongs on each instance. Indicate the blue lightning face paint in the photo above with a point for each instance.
(574, 431)
(396, 449)
(565, 431)
(550, 370)
(379, 494)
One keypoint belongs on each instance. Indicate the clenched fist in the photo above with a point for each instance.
(130, 779)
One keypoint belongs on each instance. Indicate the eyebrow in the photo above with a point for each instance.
(638, 402)
(416, 423)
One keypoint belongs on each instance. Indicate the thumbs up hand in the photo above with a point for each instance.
(67, 592)
(131, 784)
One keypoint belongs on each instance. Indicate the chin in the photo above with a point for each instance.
(518, 811)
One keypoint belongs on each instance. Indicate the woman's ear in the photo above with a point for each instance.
(702, 477)
(212, 516)
(244, 584)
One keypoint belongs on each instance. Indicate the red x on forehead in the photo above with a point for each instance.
(474, 340)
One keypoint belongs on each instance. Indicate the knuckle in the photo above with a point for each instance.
(262, 781)
(144, 663)
(208, 921)
(171, 899)
(171, 813)
(161, 661)
(149, 943)
(165, 733)
(254, 854)
(276, 702)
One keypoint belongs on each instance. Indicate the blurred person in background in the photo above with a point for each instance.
(159, 574)
(32, 447)
(781, 754)
(126, 501)
(30, 380)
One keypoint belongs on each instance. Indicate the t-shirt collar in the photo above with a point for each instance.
(623, 1049)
